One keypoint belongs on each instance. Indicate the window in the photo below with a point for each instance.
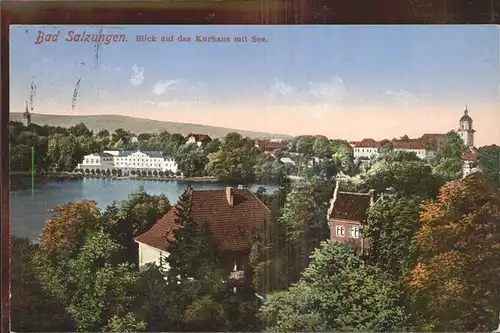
(354, 232)
(339, 231)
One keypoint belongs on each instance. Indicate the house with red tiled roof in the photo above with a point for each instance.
(232, 216)
(199, 139)
(366, 148)
(347, 212)
(420, 147)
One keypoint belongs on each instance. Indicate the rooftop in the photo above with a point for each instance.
(350, 206)
(368, 143)
(230, 225)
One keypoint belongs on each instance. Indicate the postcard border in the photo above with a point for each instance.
(193, 12)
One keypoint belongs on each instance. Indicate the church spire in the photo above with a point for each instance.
(466, 111)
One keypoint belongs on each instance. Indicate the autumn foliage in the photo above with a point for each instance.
(455, 285)
(64, 233)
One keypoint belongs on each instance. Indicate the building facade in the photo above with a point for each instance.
(346, 215)
(127, 161)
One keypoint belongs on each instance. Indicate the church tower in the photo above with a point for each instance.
(27, 116)
(465, 129)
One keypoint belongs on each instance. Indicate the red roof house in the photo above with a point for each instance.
(232, 216)
(368, 143)
(410, 144)
(348, 211)
(197, 138)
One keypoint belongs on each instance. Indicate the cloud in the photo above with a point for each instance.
(321, 93)
(161, 87)
(137, 77)
(280, 89)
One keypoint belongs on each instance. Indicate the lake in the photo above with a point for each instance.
(28, 211)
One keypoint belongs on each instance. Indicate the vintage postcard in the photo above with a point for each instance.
(254, 178)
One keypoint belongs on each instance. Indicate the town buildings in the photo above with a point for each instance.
(199, 139)
(424, 147)
(232, 216)
(126, 161)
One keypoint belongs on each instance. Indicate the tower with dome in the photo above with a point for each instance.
(466, 130)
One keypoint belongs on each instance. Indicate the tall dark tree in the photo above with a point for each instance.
(489, 163)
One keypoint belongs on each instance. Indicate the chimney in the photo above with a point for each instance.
(372, 196)
(229, 196)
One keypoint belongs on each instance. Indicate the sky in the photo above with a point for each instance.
(348, 82)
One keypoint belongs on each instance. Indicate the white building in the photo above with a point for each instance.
(469, 164)
(366, 148)
(465, 129)
(129, 160)
(102, 161)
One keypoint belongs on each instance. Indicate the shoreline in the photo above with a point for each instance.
(82, 176)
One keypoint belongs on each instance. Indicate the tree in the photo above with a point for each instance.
(99, 289)
(126, 323)
(80, 130)
(191, 159)
(212, 146)
(408, 177)
(386, 147)
(235, 161)
(455, 284)
(389, 230)
(20, 158)
(268, 170)
(489, 163)
(31, 307)
(64, 233)
(193, 249)
(305, 227)
(337, 292)
(449, 168)
(321, 147)
(197, 282)
(132, 218)
(452, 147)
(304, 144)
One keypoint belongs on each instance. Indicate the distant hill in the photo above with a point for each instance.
(138, 125)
